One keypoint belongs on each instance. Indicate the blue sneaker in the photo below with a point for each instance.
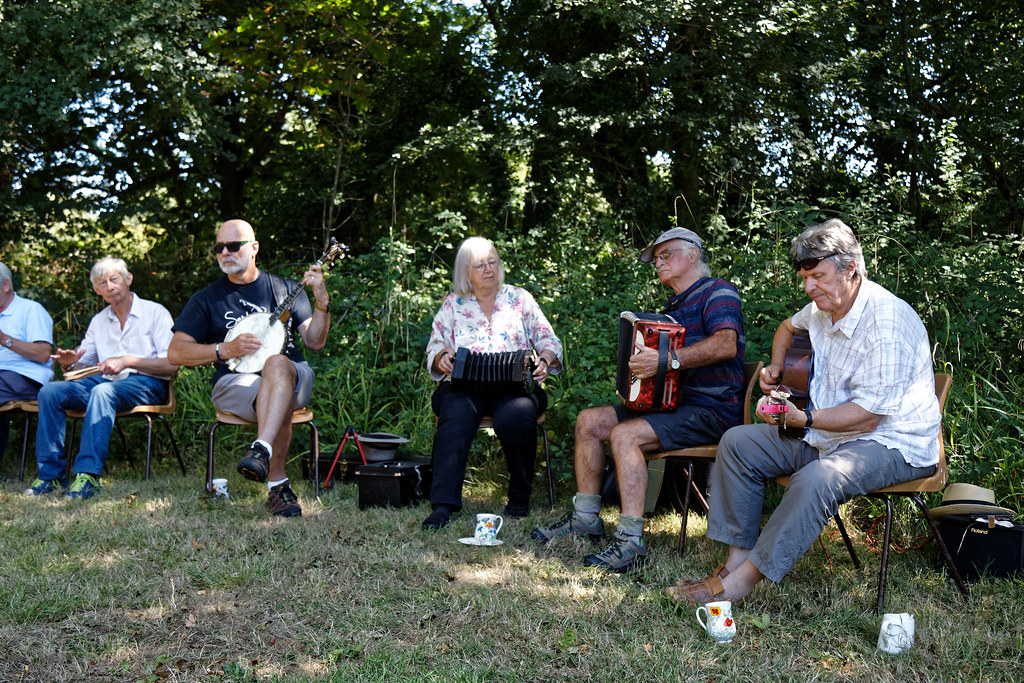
(42, 487)
(83, 487)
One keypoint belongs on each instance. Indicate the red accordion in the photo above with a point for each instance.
(657, 331)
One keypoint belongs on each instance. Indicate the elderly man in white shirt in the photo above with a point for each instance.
(126, 344)
(873, 420)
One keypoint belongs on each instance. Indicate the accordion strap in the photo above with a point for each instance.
(659, 378)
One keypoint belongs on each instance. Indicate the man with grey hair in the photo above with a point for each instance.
(26, 336)
(710, 401)
(873, 419)
(126, 345)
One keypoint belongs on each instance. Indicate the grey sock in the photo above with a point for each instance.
(631, 526)
(588, 507)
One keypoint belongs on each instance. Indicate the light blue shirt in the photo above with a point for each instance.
(26, 320)
(147, 333)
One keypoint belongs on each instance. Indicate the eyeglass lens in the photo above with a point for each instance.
(231, 246)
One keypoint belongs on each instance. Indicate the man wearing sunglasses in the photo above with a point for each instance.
(710, 401)
(872, 420)
(285, 383)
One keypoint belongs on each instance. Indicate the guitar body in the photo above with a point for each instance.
(271, 332)
(798, 368)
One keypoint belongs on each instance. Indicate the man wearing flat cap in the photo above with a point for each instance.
(710, 401)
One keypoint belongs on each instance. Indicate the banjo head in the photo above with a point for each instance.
(271, 332)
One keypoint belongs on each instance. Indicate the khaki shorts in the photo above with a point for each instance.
(236, 393)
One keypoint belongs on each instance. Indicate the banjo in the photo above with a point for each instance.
(270, 327)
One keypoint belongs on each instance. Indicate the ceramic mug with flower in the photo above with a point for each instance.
(487, 527)
(720, 624)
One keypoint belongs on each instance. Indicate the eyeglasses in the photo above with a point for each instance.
(664, 256)
(492, 263)
(233, 247)
(810, 263)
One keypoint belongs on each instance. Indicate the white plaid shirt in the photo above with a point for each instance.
(876, 356)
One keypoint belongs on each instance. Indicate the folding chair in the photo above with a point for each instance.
(911, 490)
(751, 373)
(301, 416)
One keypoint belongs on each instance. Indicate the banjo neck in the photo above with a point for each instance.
(328, 255)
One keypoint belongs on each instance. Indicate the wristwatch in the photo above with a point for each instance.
(9, 342)
(675, 361)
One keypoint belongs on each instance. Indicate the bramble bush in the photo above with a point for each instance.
(371, 374)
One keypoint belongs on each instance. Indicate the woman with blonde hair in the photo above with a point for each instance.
(485, 315)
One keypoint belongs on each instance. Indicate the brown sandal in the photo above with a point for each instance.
(720, 571)
(696, 593)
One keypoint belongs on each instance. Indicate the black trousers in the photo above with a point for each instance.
(458, 419)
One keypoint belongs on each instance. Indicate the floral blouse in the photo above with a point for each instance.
(460, 322)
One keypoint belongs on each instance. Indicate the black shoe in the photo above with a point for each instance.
(283, 502)
(256, 463)
(516, 510)
(439, 518)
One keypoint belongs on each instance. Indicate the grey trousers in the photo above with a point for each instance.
(751, 455)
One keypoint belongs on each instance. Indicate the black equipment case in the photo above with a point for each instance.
(393, 484)
(978, 548)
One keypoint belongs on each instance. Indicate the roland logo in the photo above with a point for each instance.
(975, 530)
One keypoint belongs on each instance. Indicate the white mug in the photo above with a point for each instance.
(720, 624)
(897, 633)
(487, 527)
(220, 487)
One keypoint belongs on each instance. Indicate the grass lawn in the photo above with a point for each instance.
(157, 581)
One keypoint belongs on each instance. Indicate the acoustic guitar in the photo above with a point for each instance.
(797, 370)
(270, 327)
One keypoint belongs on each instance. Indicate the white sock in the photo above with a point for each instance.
(272, 484)
(270, 449)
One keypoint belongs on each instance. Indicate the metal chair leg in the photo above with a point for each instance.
(174, 444)
(846, 540)
(209, 458)
(24, 446)
(547, 460)
(943, 550)
(314, 451)
(884, 569)
(685, 512)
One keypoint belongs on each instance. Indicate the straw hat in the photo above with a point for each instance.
(967, 499)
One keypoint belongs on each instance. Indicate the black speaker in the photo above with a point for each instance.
(977, 548)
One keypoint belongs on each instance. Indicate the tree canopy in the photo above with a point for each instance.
(360, 118)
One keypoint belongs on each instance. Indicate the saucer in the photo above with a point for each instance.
(471, 540)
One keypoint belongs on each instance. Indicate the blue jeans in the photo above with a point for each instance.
(101, 400)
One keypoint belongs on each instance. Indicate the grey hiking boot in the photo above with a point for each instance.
(621, 555)
(571, 525)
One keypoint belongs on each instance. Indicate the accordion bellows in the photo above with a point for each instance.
(493, 374)
(657, 331)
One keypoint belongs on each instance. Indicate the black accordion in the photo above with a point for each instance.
(492, 375)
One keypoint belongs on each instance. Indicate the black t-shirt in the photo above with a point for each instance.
(214, 310)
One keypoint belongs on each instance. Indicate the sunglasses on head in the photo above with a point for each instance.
(810, 263)
(230, 246)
